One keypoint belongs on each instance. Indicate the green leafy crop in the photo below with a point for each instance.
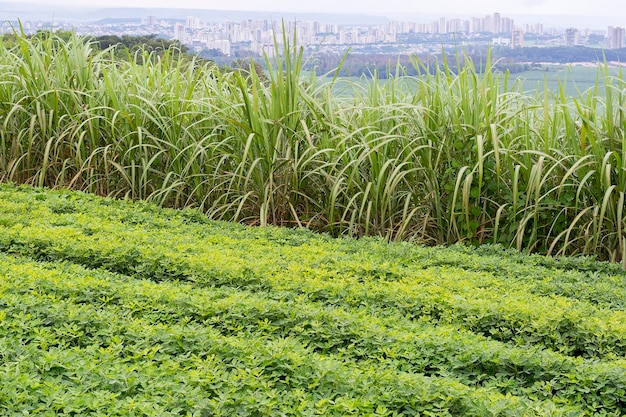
(116, 308)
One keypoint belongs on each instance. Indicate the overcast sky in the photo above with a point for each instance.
(613, 8)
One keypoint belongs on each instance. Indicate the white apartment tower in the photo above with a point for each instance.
(193, 22)
(497, 23)
(572, 37)
(616, 37)
(180, 33)
(517, 38)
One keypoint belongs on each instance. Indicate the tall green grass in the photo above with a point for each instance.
(458, 157)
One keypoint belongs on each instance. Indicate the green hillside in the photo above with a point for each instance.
(117, 308)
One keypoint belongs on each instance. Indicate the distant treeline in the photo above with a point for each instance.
(387, 65)
(126, 43)
(514, 61)
(357, 65)
(563, 55)
(123, 47)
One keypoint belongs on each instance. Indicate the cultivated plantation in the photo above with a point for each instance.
(117, 308)
(138, 298)
(463, 157)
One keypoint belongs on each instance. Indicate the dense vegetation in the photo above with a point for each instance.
(505, 59)
(117, 308)
(130, 44)
(125, 47)
(564, 54)
(461, 157)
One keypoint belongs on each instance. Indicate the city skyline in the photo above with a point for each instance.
(599, 8)
(223, 38)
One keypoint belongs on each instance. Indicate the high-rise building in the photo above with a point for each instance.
(442, 25)
(454, 26)
(506, 25)
(616, 37)
(488, 25)
(193, 22)
(477, 25)
(180, 33)
(571, 37)
(497, 23)
(517, 38)
(535, 28)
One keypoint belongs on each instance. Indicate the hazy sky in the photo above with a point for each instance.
(613, 8)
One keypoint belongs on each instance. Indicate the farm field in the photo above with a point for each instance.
(145, 291)
(109, 307)
(463, 157)
(572, 80)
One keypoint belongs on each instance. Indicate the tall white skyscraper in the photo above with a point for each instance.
(616, 37)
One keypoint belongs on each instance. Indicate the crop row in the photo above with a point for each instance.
(319, 302)
(337, 272)
(80, 341)
(577, 278)
(459, 156)
(362, 336)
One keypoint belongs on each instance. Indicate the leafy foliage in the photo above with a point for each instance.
(457, 157)
(136, 310)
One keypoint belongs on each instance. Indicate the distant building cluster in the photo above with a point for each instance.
(258, 36)
(493, 23)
